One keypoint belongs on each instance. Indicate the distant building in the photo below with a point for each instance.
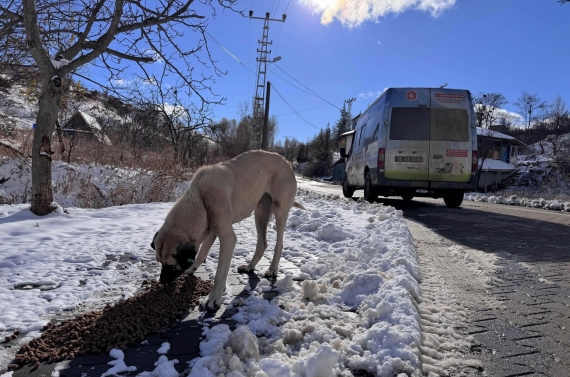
(83, 124)
(497, 146)
(338, 170)
(497, 156)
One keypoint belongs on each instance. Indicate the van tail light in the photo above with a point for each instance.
(381, 158)
(474, 162)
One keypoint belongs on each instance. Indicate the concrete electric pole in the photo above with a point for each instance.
(260, 108)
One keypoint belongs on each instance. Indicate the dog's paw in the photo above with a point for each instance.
(211, 303)
(271, 274)
(244, 268)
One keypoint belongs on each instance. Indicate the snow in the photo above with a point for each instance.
(118, 364)
(487, 132)
(553, 205)
(496, 165)
(164, 368)
(350, 304)
(356, 310)
(164, 348)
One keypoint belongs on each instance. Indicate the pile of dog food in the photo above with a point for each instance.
(115, 326)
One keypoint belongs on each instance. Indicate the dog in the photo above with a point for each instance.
(221, 195)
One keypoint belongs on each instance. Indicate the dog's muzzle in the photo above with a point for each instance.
(185, 256)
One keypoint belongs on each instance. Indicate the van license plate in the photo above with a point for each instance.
(409, 159)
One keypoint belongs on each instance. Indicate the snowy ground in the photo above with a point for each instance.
(355, 310)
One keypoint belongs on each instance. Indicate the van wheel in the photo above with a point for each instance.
(407, 197)
(454, 199)
(347, 190)
(370, 193)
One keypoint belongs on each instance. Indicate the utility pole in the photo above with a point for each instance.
(258, 133)
(265, 132)
(349, 113)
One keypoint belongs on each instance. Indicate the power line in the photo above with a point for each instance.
(310, 92)
(293, 85)
(295, 111)
(315, 94)
(227, 51)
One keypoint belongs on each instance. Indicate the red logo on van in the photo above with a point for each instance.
(411, 95)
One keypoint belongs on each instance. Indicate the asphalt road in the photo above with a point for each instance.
(515, 304)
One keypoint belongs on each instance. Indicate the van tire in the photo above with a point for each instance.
(347, 190)
(370, 193)
(407, 197)
(454, 199)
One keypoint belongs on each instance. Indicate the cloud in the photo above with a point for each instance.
(352, 13)
(369, 95)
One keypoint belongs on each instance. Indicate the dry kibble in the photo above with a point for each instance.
(125, 323)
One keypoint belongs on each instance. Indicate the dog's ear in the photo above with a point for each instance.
(153, 238)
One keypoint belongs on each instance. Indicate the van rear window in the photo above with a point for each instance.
(410, 123)
(449, 125)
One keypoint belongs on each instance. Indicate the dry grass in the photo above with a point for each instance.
(134, 175)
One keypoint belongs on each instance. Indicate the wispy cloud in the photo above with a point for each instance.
(369, 95)
(352, 13)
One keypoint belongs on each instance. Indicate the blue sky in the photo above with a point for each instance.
(342, 49)
(504, 46)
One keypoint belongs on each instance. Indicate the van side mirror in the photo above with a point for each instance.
(343, 153)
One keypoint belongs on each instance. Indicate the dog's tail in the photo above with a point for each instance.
(299, 205)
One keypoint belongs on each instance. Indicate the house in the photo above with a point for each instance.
(83, 124)
(497, 157)
(338, 170)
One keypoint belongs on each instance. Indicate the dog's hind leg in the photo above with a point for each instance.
(203, 253)
(262, 216)
(280, 222)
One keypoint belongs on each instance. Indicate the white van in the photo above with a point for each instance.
(413, 142)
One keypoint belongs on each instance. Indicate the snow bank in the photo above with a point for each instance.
(555, 205)
(356, 310)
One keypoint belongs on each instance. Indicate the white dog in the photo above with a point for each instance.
(219, 196)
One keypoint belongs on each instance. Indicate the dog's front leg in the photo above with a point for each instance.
(228, 241)
(203, 253)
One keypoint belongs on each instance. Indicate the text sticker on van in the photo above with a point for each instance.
(411, 95)
(456, 153)
(449, 98)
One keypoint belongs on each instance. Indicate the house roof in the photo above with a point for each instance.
(92, 124)
(496, 135)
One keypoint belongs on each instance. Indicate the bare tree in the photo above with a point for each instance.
(531, 108)
(63, 35)
(488, 108)
(175, 117)
(557, 124)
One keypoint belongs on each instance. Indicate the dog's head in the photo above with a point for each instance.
(176, 253)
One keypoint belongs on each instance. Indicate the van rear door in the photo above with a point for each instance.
(407, 139)
(450, 142)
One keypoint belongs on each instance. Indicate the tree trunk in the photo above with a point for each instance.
(42, 193)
